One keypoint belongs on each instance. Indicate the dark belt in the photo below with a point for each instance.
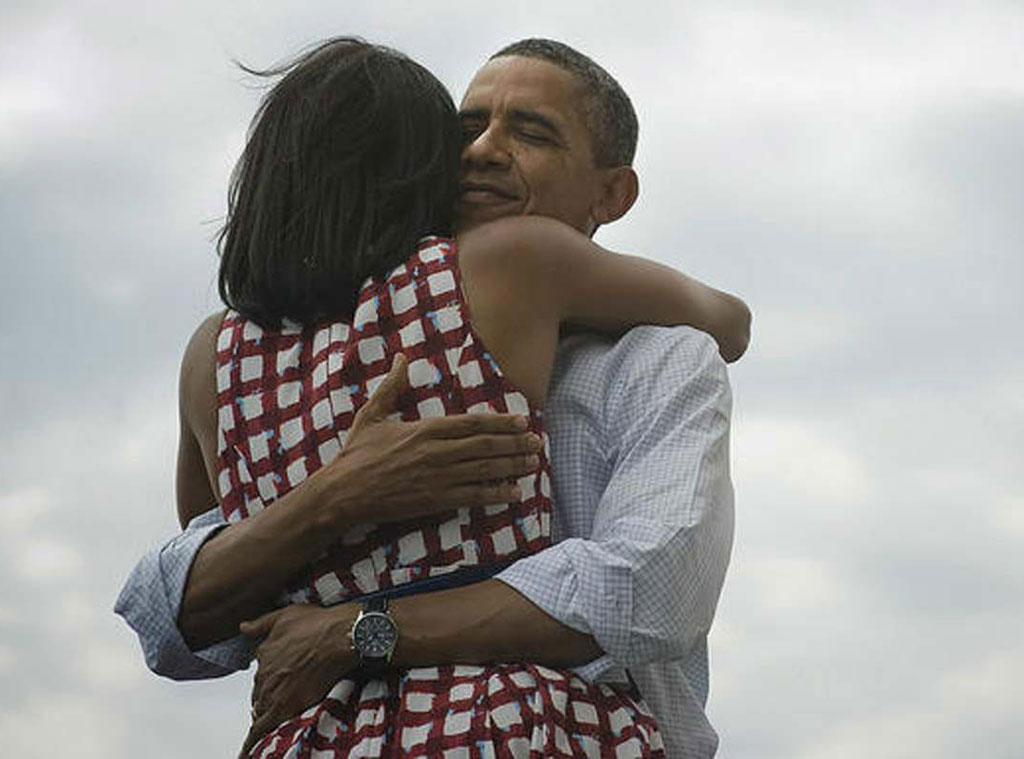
(454, 579)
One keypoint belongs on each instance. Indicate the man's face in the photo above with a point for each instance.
(528, 149)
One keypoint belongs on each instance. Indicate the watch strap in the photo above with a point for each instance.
(372, 668)
(379, 604)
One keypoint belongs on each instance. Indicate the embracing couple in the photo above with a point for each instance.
(459, 501)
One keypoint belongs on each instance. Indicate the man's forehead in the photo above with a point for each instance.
(519, 83)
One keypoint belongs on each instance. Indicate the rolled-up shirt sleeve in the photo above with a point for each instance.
(151, 599)
(645, 580)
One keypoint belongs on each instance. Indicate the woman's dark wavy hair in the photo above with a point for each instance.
(351, 158)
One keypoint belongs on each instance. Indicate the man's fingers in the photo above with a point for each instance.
(465, 425)
(259, 685)
(384, 400)
(488, 470)
(262, 625)
(486, 446)
(482, 495)
(262, 725)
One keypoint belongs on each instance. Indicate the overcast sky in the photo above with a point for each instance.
(854, 171)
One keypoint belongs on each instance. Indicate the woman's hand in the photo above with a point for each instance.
(303, 651)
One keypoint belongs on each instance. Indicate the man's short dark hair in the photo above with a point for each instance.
(610, 113)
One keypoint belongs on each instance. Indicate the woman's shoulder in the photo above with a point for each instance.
(202, 345)
(197, 384)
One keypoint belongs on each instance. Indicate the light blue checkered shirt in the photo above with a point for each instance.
(639, 434)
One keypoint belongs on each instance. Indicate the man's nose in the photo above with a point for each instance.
(488, 149)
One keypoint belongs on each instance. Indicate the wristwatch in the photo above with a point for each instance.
(374, 636)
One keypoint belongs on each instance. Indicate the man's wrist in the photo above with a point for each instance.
(443, 628)
(339, 501)
(341, 618)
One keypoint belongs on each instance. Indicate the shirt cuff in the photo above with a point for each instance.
(150, 602)
(584, 587)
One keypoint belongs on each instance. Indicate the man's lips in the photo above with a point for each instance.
(484, 193)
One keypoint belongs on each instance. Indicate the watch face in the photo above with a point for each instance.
(375, 635)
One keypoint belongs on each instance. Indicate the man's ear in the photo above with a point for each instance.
(620, 190)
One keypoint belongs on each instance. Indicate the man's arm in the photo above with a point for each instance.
(196, 590)
(151, 599)
(484, 623)
(667, 513)
(644, 584)
(303, 650)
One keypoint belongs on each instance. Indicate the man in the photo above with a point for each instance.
(639, 432)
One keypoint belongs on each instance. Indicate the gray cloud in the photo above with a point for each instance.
(854, 175)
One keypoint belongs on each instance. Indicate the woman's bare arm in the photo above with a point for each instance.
(559, 268)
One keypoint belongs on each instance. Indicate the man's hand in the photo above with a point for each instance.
(304, 650)
(400, 470)
(387, 471)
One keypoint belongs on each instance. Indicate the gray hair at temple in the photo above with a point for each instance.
(613, 122)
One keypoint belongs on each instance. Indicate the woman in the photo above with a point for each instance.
(351, 160)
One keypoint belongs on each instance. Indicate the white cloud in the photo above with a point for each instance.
(7, 657)
(892, 56)
(23, 104)
(793, 585)
(140, 432)
(110, 667)
(900, 734)
(792, 334)
(808, 462)
(992, 688)
(47, 560)
(50, 83)
(91, 727)
(22, 508)
(1009, 515)
(74, 610)
(975, 703)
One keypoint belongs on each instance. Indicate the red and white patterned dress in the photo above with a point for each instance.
(286, 400)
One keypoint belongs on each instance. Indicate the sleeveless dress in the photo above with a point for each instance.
(286, 400)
